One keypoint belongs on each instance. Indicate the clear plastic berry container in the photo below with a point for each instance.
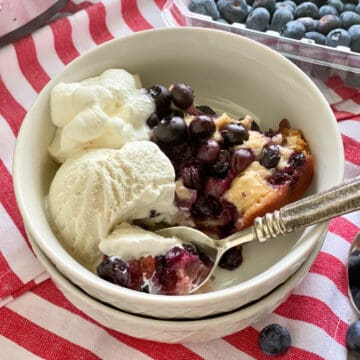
(318, 60)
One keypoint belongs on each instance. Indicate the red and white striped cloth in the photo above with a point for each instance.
(38, 322)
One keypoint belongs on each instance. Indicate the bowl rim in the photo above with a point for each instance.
(110, 289)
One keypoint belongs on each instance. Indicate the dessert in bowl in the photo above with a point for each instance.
(237, 87)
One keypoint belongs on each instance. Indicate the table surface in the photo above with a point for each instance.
(317, 313)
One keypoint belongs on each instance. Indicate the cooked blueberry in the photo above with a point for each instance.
(182, 96)
(337, 4)
(338, 37)
(113, 269)
(327, 10)
(234, 134)
(201, 127)
(161, 96)
(274, 339)
(353, 337)
(171, 130)
(204, 7)
(205, 207)
(328, 23)
(267, 4)
(307, 9)
(270, 156)
(208, 152)
(294, 30)
(254, 126)
(152, 120)
(297, 159)
(354, 32)
(192, 177)
(280, 17)
(241, 159)
(309, 23)
(349, 7)
(231, 259)
(258, 19)
(233, 10)
(349, 18)
(221, 166)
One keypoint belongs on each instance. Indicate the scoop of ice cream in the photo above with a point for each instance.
(105, 111)
(132, 242)
(97, 189)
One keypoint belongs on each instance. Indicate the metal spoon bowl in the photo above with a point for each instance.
(338, 200)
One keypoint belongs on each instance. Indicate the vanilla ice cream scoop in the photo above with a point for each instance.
(105, 111)
(97, 189)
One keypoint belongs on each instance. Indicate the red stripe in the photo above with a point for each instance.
(29, 63)
(64, 45)
(247, 341)
(158, 351)
(178, 15)
(10, 109)
(351, 149)
(160, 3)
(342, 115)
(97, 25)
(133, 17)
(7, 198)
(9, 282)
(72, 8)
(337, 85)
(39, 341)
(303, 308)
(344, 228)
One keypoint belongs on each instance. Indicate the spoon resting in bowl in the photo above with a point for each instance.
(338, 200)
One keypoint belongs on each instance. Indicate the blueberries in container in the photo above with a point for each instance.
(349, 18)
(249, 2)
(327, 10)
(204, 7)
(309, 23)
(307, 9)
(222, 21)
(349, 7)
(354, 32)
(258, 19)
(328, 23)
(293, 30)
(280, 17)
(316, 36)
(357, 9)
(337, 4)
(338, 37)
(290, 3)
(233, 10)
(267, 4)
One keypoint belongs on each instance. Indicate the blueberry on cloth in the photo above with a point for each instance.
(354, 32)
(316, 36)
(294, 30)
(274, 339)
(233, 10)
(204, 7)
(281, 17)
(349, 18)
(258, 19)
(353, 337)
(327, 10)
(307, 9)
(338, 37)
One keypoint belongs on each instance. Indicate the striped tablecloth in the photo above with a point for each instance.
(36, 321)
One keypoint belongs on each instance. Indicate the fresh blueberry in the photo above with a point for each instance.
(182, 96)
(337, 4)
(267, 4)
(222, 21)
(354, 32)
(258, 19)
(290, 4)
(357, 9)
(233, 10)
(307, 9)
(283, 5)
(353, 337)
(309, 23)
(281, 17)
(250, 2)
(316, 36)
(349, 18)
(319, 3)
(328, 23)
(338, 37)
(327, 10)
(349, 7)
(294, 30)
(274, 339)
(204, 7)
(270, 156)
(249, 9)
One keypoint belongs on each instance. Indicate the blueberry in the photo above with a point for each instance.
(258, 19)
(241, 159)
(294, 30)
(270, 156)
(152, 120)
(290, 3)
(208, 152)
(353, 337)
(204, 7)
(280, 17)
(307, 9)
(249, 9)
(161, 96)
(319, 3)
(191, 176)
(354, 32)
(283, 5)
(221, 167)
(327, 10)
(357, 9)
(338, 37)
(274, 339)
(201, 127)
(233, 10)
(328, 23)
(316, 36)
(349, 18)
(222, 21)
(309, 23)
(349, 7)
(234, 134)
(250, 2)
(267, 4)
(171, 130)
(337, 4)
(182, 96)
(113, 269)
(231, 259)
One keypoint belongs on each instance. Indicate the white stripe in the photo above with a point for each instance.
(80, 32)
(306, 336)
(11, 350)
(14, 80)
(351, 170)
(46, 53)
(218, 349)
(351, 128)
(349, 106)
(42, 277)
(7, 144)
(151, 12)
(336, 246)
(6, 300)
(16, 252)
(72, 327)
(114, 20)
(354, 217)
(331, 96)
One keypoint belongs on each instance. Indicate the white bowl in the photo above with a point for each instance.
(175, 331)
(227, 71)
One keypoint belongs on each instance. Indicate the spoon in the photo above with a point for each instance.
(353, 267)
(338, 200)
